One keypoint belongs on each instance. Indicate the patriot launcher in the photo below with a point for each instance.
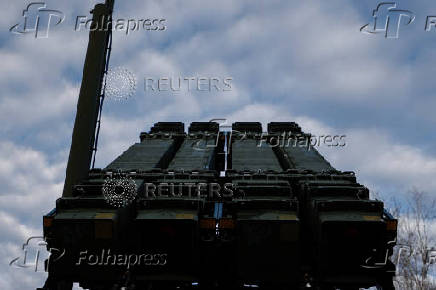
(210, 208)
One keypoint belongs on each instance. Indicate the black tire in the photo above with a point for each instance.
(53, 284)
(386, 285)
(64, 285)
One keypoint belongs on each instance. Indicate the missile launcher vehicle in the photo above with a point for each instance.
(209, 208)
(179, 210)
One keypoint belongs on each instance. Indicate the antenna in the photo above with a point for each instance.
(89, 105)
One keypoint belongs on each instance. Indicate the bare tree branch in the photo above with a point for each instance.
(415, 241)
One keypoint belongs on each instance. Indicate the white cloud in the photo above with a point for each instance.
(14, 235)
(30, 185)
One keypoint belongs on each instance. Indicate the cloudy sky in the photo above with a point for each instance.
(303, 61)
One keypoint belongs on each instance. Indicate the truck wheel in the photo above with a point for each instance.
(386, 285)
(64, 285)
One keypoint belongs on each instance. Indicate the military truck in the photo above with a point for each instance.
(208, 208)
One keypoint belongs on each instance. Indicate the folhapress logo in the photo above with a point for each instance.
(35, 255)
(38, 19)
(387, 19)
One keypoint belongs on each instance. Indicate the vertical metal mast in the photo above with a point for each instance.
(88, 105)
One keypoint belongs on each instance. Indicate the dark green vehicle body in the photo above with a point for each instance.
(209, 208)
(276, 225)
